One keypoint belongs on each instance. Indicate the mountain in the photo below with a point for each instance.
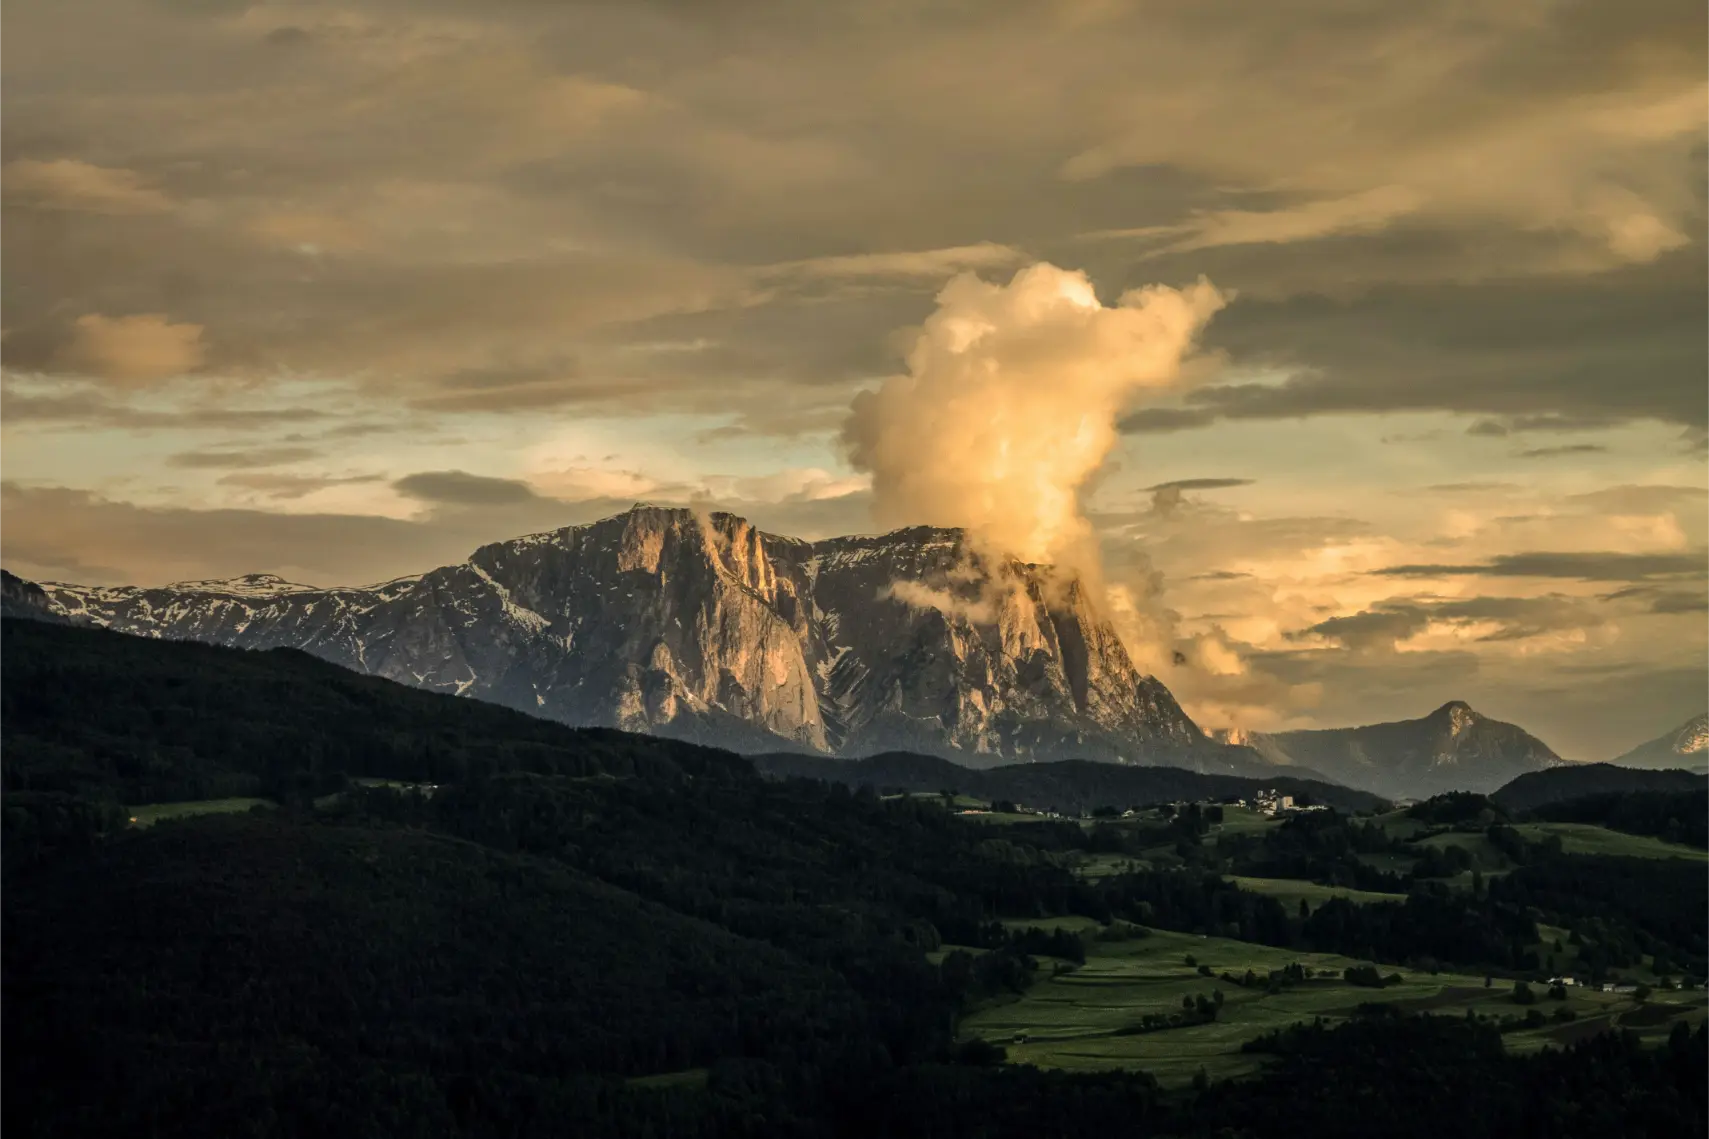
(703, 628)
(1575, 781)
(1071, 786)
(1452, 749)
(20, 598)
(1687, 746)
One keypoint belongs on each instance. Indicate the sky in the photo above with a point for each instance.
(1360, 349)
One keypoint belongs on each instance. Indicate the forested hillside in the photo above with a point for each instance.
(443, 918)
(1578, 780)
(86, 711)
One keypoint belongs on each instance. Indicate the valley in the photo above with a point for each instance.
(334, 893)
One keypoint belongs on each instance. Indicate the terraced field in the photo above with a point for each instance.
(1072, 1020)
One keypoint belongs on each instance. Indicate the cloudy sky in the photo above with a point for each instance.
(340, 291)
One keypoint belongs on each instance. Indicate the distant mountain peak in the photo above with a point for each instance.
(1685, 746)
(245, 585)
(1451, 748)
(1457, 714)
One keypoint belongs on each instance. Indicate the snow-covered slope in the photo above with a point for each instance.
(668, 621)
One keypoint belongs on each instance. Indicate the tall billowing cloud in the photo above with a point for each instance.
(1009, 406)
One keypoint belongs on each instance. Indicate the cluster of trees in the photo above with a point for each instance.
(1676, 816)
(1195, 1010)
(1323, 846)
(1619, 909)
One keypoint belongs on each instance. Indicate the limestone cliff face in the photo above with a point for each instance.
(667, 621)
(923, 645)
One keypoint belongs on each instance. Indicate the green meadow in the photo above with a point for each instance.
(1291, 891)
(1588, 838)
(150, 813)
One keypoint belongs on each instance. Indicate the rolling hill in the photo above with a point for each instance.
(1575, 781)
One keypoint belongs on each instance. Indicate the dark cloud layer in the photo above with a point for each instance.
(1604, 566)
(459, 488)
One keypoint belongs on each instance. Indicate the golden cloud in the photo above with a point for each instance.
(67, 184)
(134, 349)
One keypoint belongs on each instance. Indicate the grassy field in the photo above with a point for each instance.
(1587, 838)
(956, 802)
(1070, 1021)
(150, 813)
(1007, 817)
(1388, 863)
(1073, 923)
(687, 1078)
(1485, 855)
(1290, 892)
(1243, 820)
(1399, 824)
(1105, 865)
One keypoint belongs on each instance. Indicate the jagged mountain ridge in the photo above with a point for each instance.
(1454, 748)
(1687, 746)
(705, 628)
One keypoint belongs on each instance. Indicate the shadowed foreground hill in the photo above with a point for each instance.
(568, 910)
(137, 720)
(305, 961)
(1072, 786)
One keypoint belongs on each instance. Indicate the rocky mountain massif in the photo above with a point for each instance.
(1687, 746)
(1452, 749)
(701, 627)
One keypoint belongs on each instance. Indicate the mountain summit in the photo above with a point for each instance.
(1686, 746)
(702, 627)
(1454, 748)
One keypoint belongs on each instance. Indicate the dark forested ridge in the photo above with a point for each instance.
(1575, 781)
(569, 910)
(95, 713)
(1071, 786)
